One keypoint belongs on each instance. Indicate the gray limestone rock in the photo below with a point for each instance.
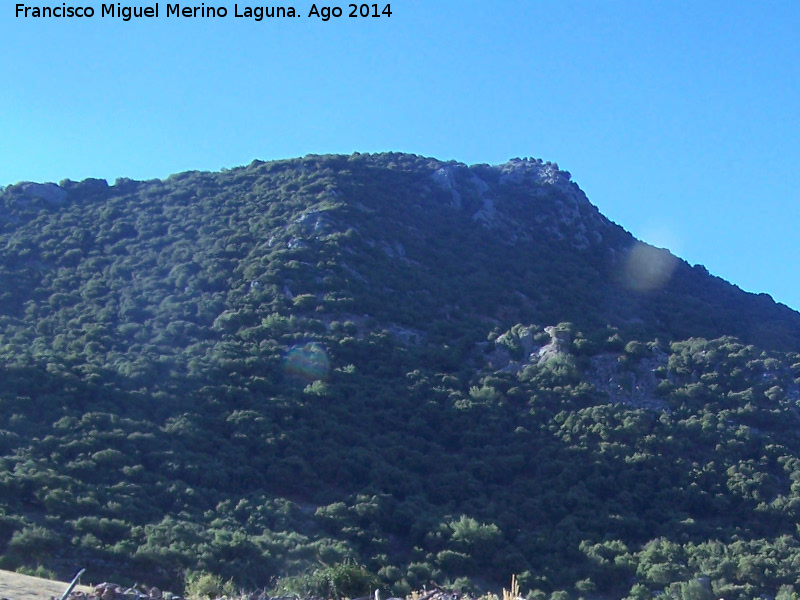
(48, 192)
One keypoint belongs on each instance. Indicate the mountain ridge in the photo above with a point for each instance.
(635, 270)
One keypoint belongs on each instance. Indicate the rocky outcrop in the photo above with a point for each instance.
(560, 339)
(620, 377)
(633, 384)
(445, 179)
(518, 170)
(114, 591)
(48, 192)
(570, 215)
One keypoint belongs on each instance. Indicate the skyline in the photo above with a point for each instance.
(679, 121)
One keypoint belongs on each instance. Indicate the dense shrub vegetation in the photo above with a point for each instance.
(339, 373)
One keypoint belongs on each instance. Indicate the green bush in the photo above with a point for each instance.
(201, 585)
(344, 580)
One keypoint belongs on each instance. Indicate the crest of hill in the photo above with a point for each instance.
(400, 238)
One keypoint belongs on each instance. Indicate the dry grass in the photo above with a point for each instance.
(15, 586)
(513, 593)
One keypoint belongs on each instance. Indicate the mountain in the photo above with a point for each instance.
(334, 373)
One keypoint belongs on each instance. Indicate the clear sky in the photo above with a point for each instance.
(679, 119)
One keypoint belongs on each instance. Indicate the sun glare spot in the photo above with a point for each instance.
(648, 268)
(308, 362)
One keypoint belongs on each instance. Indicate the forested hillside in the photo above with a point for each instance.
(335, 374)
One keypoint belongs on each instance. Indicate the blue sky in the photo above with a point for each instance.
(680, 120)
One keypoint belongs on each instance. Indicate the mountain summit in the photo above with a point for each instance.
(337, 373)
(398, 237)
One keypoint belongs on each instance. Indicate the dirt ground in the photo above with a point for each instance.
(14, 586)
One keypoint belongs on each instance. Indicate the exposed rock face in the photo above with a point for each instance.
(513, 350)
(314, 222)
(445, 179)
(49, 192)
(624, 379)
(560, 340)
(561, 212)
(518, 170)
(114, 591)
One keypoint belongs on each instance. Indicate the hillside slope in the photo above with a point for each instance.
(385, 370)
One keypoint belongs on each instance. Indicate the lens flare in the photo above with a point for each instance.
(308, 362)
(648, 268)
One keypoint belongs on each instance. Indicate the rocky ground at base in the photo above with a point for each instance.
(15, 586)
